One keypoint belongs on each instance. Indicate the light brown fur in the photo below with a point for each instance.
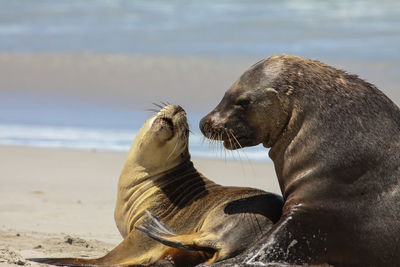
(209, 222)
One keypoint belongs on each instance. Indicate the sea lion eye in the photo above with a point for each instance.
(243, 102)
(168, 121)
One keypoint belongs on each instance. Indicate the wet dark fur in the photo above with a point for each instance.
(337, 159)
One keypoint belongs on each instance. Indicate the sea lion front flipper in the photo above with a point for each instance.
(157, 230)
(160, 232)
(155, 225)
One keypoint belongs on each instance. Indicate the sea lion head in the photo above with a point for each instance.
(252, 111)
(162, 142)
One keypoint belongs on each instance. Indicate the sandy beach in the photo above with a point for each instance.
(58, 203)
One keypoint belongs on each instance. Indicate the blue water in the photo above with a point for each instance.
(340, 30)
(363, 29)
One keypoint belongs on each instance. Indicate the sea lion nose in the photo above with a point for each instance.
(205, 125)
(202, 125)
(177, 110)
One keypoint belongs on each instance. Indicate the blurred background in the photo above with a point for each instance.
(80, 74)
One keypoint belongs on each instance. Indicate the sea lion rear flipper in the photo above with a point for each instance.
(127, 253)
(64, 261)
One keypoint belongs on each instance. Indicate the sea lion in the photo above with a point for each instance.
(203, 221)
(335, 143)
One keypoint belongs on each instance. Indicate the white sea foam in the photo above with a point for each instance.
(101, 139)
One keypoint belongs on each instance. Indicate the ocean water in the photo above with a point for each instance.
(73, 124)
(336, 30)
(362, 29)
(117, 140)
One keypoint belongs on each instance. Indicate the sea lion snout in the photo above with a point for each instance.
(163, 127)
(170, 111)
(177, 109)
(170, 120)
(203, 125)
(213, 127)
(239, 120)
(234, 132)
(209, 126)
(163, 137)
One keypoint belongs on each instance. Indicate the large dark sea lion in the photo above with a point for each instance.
(335, 143)
(203, 221)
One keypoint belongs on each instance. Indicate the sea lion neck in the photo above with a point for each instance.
(324, 142)
(183, 180)
(185, 165)
(133, 172)
(284, 146)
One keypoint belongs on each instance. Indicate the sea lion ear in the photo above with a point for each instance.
(288, 92)
(271, 90)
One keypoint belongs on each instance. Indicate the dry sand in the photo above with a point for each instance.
(58, 203)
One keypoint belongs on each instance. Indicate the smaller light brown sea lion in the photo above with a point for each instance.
(209, 222)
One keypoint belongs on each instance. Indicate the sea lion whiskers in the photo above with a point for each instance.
(224, 134)
(152, 110)
(212, 143)
(222, 149)
(234, 137)
(159, 106)
(225, 149)
(230, 142)
(215, 145)
(240, 146)
(219, 147)
(236, 145)
(182, 130)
